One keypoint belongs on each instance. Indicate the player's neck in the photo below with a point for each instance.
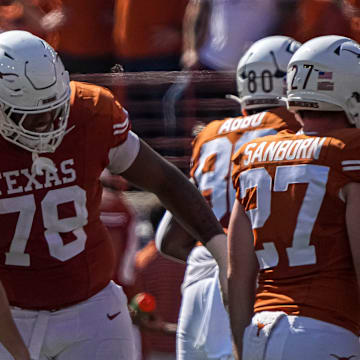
(321, 124)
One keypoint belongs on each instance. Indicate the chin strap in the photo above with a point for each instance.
(233, 97)
(42, 163)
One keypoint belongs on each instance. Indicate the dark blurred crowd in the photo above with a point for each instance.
(93, 35)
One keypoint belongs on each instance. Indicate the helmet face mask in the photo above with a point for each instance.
(261, 72)
(324, 75)
(14, 129)
(33, 82)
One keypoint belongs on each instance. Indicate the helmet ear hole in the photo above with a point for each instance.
(356, 95)
(353, 106)
(243, 75)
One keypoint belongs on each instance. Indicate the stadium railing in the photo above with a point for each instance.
(168, 108)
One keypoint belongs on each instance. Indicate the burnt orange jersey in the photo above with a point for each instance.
(214, 147)
(290, 186)
(54, 250)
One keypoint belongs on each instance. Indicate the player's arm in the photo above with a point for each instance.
(195, 24)
(352, 196)
(172, 240)
(154, 322)
(153, 173)
(9, 334)
(242, 274)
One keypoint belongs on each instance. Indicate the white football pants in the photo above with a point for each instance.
(277, 336)
(203, 327)
(99, 328)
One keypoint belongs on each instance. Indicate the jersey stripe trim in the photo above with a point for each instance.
(121, 128)
(121, 125)
(350, 162)
(351, 168)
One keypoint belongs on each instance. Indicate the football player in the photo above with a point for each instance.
(56, 257)
(204, 330)
(294, 225)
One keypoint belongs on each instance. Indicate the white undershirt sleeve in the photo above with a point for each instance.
(121, 157)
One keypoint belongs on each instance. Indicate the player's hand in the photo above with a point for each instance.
(152, 322)
(53, 20)
(22, 354)
(26, 357)
(190, 60)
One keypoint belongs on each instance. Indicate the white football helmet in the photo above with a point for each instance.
(324, 75)
(32, 81)
(261, 72)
